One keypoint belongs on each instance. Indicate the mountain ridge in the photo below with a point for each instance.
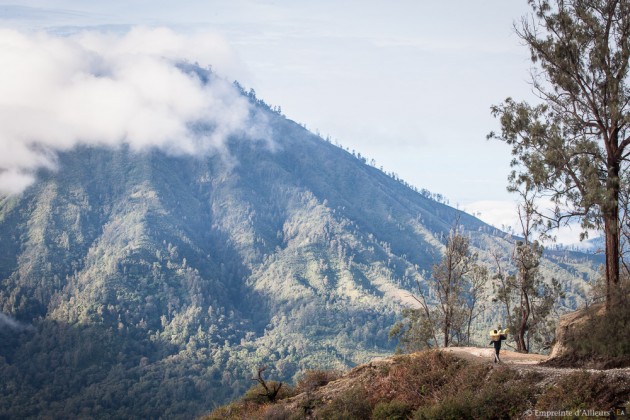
(459, 382)
(161, 281)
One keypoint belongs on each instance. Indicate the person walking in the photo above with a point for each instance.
(497, 336)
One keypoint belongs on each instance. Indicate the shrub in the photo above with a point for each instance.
(451, 408)
(277, 412)
(483, 392)
(417, 379)
(257, 393)
(349, 405)
(602, 338)
(313, 379)
(394, 410)
(506, 395)
(236, 410)
(584, 390)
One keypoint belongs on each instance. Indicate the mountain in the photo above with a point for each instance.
(146, 285)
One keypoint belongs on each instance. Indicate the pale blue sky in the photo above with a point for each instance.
(407, 83)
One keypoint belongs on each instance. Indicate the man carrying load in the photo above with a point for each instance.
(496, 336)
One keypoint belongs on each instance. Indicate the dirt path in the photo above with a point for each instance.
(528, 362)
(374, 376)
(481, 355)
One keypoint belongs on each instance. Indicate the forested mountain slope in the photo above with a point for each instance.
(141, 284)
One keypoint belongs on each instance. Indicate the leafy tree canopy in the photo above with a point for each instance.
(573, 145)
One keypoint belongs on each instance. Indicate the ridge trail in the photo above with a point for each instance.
(526, 361)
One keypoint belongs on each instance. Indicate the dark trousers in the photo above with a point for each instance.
(496, 355)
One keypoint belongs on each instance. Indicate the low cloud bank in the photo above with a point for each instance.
(10, 323)
(108, 90)
(503, 215)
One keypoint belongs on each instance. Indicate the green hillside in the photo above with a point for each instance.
(144, 285)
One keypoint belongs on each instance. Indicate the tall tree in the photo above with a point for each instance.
(574, 145)
(451, 302)
(448, 285)
(527, 297)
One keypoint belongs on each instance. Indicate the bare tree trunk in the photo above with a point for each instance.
(612, 259)
(470, 316)
(505, 299)
(525, 311)
(447, 327)
(612, 235)
(270, 394)
(520, 330)
(427, 312)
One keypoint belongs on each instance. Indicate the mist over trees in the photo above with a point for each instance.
(148, 285)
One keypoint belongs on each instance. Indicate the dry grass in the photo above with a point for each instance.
(436, 384)
(585, 390)
(313, 379)
(417, 379)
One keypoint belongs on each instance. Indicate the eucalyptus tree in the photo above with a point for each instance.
(527, 296)
(454, 277)
(573, 145)
(451, 302)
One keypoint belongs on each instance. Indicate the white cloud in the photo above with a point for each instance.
(12, 181)
(107, 90)
(497, 213)
(503, 215)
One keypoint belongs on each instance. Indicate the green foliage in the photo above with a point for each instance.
(148, 285)
(394, 410)
(352, 404)
(501, 393)
(414, 332)
(457, 285)
(452, 284)
(583, 390)
(573, 147)
(528, 297)
(601, 340)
